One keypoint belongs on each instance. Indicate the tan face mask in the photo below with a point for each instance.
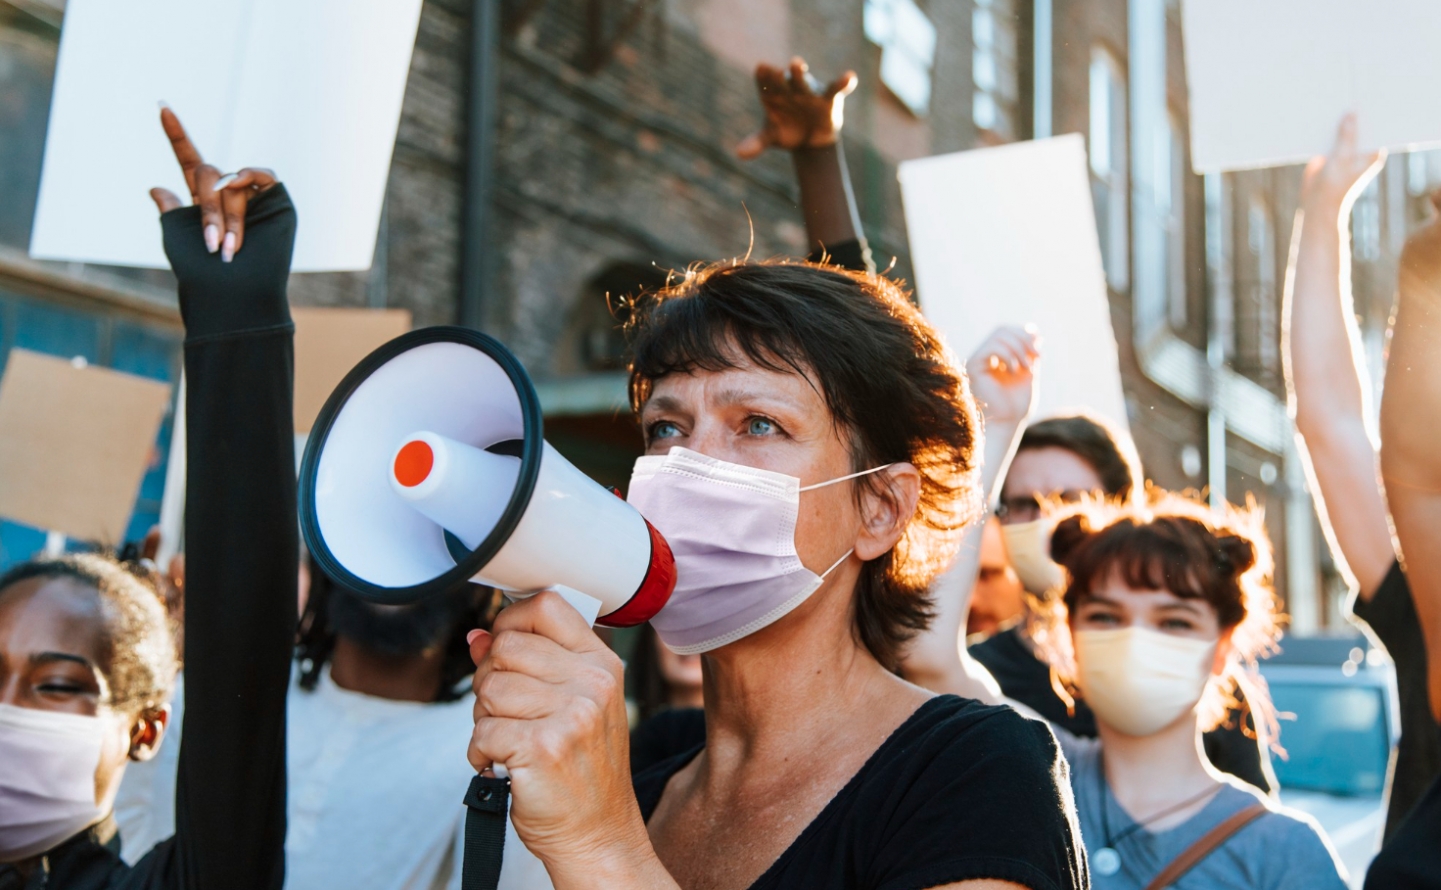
(1138, 680)
(1029, 547)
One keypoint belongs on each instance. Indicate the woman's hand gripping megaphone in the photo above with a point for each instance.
(550, 705)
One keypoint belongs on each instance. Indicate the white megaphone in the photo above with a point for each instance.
(426, 469)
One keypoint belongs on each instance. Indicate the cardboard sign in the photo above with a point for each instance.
(75, 441)
(1270, 79)
(309, 89)
(1007, 236)
(328, 343)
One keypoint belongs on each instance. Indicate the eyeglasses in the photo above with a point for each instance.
(1027, 508)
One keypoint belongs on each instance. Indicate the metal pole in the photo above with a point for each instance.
(480, 162)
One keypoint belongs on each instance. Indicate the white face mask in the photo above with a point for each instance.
(1028, 544)
(732, 529)
(47, 778)
(1138, 680)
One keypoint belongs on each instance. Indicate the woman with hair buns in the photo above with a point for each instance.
(1165, 609)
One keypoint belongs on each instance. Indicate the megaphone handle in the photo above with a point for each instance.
(486, 803)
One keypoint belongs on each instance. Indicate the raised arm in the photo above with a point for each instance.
(240, 525)
(805, 118)
(1325, 367)
(1410, 427)
(1002, 376)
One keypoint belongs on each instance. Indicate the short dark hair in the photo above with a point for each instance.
(140, 658)
(889, 381)
(1108, 450)
(315, 636)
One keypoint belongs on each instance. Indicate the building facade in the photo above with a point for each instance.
(613, 164)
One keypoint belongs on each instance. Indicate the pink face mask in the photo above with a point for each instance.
(733, 532)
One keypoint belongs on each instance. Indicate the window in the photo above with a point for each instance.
(1258, 312)
(594, 340)
(995, 105)
(1108, 165)
(908, 49)
(1171, 196)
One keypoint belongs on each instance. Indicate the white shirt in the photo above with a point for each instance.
(374, 795)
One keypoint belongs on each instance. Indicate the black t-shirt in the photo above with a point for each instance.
(960, 791)
(1027, 679)
(1391, 613)
(1411, 859)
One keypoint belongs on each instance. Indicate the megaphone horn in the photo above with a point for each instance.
(427, 469)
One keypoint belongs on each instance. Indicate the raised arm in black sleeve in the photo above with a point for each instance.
(241, 555)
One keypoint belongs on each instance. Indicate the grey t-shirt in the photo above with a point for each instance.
(1282, 850)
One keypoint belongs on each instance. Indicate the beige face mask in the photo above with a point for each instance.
(1139, 681)
(1029, 547)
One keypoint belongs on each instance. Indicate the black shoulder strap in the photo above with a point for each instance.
(485, 815)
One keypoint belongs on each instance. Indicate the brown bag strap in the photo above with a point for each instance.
(1205, 845)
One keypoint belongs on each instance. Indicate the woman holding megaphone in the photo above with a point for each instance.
(811, 461)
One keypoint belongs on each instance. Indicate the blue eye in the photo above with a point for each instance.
(760, 426)
(664, 429)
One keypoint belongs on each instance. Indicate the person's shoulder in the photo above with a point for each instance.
(1296, 837)
(961, 735)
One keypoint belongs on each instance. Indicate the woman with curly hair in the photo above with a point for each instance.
(1166, 607)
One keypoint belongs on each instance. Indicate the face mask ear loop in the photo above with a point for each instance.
(845, 556)
(844, 478)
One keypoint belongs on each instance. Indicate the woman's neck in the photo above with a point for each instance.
(1147, 774)
(789, 689)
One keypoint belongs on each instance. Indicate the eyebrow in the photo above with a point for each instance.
(50, 657)
(1180, 603)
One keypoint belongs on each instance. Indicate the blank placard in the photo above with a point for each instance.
(1270, 79)
(1007, 236)
(328, 343)
(311, 89)
(75, 442)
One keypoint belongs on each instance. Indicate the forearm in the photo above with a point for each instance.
(242, 543)
(1329, 387)
(827, 201)
(1410, 460)
(1323, 345)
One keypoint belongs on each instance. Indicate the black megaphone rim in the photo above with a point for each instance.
(531, 451)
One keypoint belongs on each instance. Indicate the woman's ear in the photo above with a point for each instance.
(887, 507)
(1224, 648)
(147, 732)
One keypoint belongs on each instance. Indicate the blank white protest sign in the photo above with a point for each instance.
(1007, 236)
(1270, 79)
(309, 88)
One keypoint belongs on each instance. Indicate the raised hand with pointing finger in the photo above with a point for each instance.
(222, 198)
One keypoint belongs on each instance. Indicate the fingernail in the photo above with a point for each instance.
(225, 180)
(470, 637)
(227, 250)
(212, 237)
(163, 104)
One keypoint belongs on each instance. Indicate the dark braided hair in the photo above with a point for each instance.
(315, 638)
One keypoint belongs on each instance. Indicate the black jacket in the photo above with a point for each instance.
(241, 554)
